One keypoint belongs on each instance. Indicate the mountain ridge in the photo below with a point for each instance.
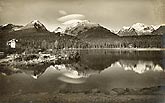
(33, 26)
(140, 29)
(81, 27)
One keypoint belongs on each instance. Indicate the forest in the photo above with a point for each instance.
(33, 42)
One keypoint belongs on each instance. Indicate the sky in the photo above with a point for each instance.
(112, 14)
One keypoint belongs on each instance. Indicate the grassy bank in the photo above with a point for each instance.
(81, 98)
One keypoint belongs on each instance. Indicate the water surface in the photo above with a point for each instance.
(104, 69)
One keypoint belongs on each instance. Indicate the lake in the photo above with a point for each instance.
(101, 69)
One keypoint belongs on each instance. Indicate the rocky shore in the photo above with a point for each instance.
(13, 63)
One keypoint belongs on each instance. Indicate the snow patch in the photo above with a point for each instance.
(126, 27)
(138, 26)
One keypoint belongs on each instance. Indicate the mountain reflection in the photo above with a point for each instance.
(78, 73)
(138, 66)
(70, 73)
(100, 69)
(94, 62)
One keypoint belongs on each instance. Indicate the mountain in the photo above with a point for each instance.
(143, 29)
(34, 26)
(74, 27)
(84, 29)
(136, 30)
(82, 34)
(34, 35)
(58, 30)
(10, 27)
(127, 31)
(96, 32)
(159, 31)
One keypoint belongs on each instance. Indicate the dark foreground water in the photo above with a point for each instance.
(96, 69)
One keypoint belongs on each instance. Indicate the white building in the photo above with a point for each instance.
(12, 43)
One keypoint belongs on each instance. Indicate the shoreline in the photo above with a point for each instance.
(122, 49)
(45, 97)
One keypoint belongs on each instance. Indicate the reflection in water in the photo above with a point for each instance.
(34, 74)
(69, 75)
(73, 73)
(97, 60)
(138, 66)
(68, 71)
(102, 69)
(71, 80)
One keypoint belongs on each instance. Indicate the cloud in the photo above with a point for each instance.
(71, 22)
(71, 17)
(62, 12)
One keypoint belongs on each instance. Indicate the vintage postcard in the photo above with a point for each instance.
(82, 51)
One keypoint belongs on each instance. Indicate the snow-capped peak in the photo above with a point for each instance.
(126, 27)
(35, 24)
(138, 26)
(114, 31)
(73, 27)
(35, 21)
(4, 25)
(72, 22)
(156, 26)
(75, 23)
(138, 29)
(142, 28)
(58, 30)
(10, 27)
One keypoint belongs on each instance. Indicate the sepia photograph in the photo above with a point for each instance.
(82, 51)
